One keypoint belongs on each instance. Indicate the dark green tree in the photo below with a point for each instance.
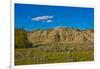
(21, 40)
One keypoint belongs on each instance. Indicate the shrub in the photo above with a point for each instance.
(21, 40)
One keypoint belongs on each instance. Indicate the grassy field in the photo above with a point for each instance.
(35, 56)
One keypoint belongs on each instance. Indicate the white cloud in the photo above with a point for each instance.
(43, 18)
(49, 21)
(60, 26)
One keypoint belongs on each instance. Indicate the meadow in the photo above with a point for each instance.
(35, 56)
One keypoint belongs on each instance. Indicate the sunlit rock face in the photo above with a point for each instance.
(61, 35)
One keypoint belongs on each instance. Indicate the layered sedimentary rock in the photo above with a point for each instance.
(61, 35)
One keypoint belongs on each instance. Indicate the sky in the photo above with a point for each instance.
(31, 17)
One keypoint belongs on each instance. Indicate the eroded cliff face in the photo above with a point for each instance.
(61, 35)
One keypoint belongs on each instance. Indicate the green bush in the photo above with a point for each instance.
(21, 40)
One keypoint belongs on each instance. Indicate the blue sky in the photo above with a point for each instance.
(31, 17)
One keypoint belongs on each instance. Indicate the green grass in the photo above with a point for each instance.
(35, 56)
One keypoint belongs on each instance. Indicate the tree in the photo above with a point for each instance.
(21, 40)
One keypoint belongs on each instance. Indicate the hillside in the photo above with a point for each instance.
(53, 34)
(53, 46)
(61, 35)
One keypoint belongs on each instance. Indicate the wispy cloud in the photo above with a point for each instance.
(60, 26)
(47, 19)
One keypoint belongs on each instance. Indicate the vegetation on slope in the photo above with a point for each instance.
(21, 40)
(53, 46)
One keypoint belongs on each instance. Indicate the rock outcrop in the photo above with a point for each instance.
(61, 35)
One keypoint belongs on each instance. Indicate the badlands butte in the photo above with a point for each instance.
(62, 37)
